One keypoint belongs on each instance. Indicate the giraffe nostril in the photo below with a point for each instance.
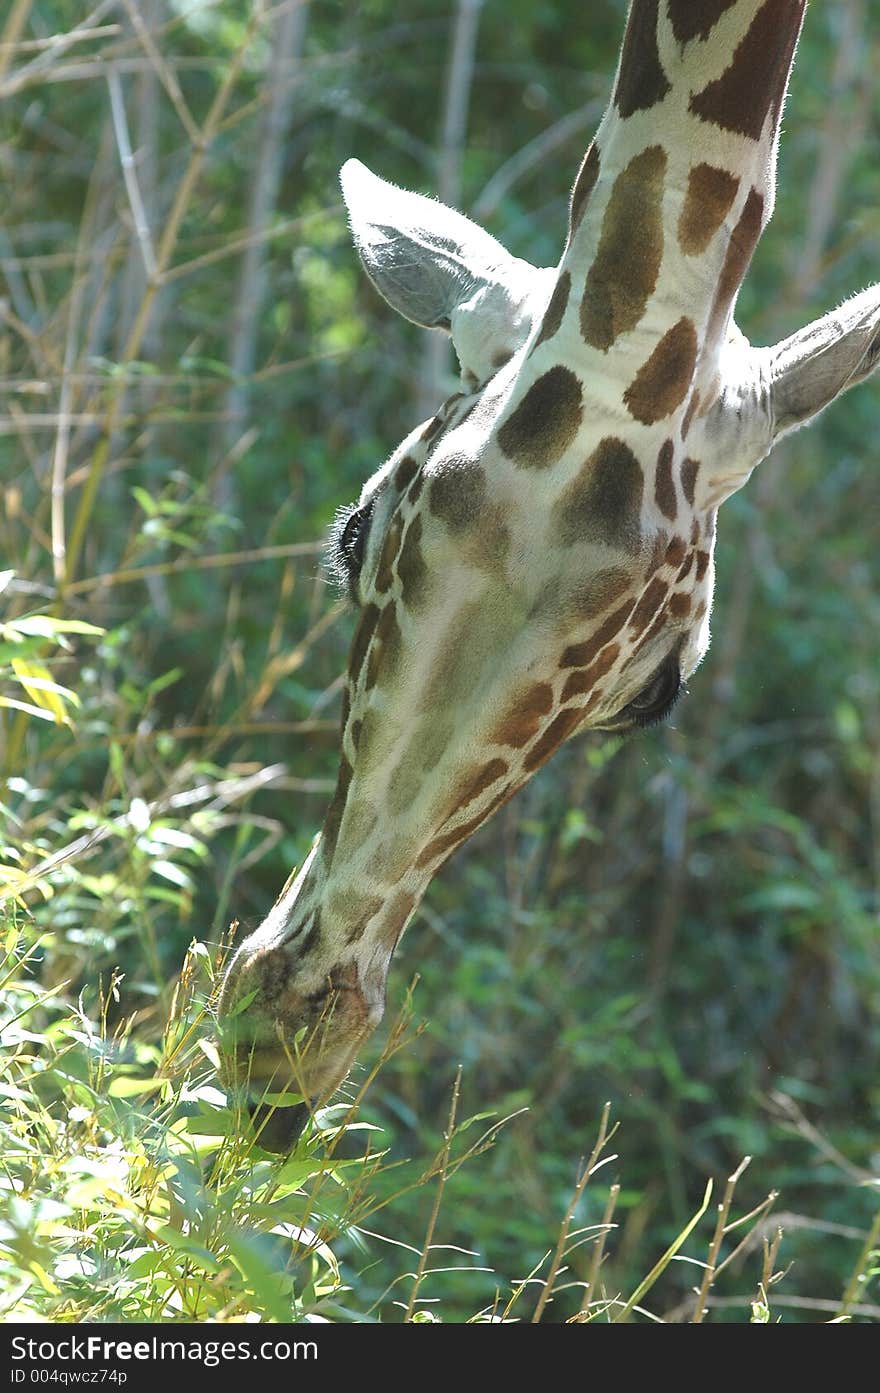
(278, 1129)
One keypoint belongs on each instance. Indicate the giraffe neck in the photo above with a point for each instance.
(675, 191)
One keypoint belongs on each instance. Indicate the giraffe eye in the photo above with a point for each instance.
(655, 701)
(348, 543)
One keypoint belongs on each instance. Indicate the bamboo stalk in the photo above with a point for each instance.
(287, 39)
(435, 362)
(163, 256)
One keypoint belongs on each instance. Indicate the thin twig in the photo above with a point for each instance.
(194, 563)
(599, 1146)
(65, 416)
(858, 1278)
(789, 1109)
(535, 153)
(459, 79)
(599, 1249)
(222, 792)
(248, 239)
(60, 43)
(438, 1196)
(287, 40)
(717, 1239)
(761, 1303)
(663, 1262)
(15, 22)
(126, 159)
(166, 75)
(163, 255)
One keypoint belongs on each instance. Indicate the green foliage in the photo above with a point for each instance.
(685, 924)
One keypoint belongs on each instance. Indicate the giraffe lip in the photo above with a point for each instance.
(299, 1032)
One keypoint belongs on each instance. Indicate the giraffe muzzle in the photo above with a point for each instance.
(282, 1041)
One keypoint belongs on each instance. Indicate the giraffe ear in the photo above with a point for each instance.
(769, 392)
(806, 372)
(439, 269)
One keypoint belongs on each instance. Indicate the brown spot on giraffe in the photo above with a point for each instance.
(648, 605)
(743, 241)
(584, 679)
(439, 847)
(361, 642)
(411, 566)
(624, 272)
(709, 198)
(690, 411)
(641, 81)
(658, 551)
(559, 729)
(693, 19)
(390, 547)
(657, 626)
(664, 486)
(661, 383)
(685, 567)
(488, 546)
(603, 502)
(582, 654)
(589, 599)
(457, 494)
(675, 552)
(522, 720)
(555, 311)
(333, 820)
(702, 564)
(386, 647)
(487, 776)
(405, 472)
(680, 605)
(545, 422)
(368, 910)
(583, 187)
(689, 471)
(754, 81)
(432, 429)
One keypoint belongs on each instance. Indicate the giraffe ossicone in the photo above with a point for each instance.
(537, 559)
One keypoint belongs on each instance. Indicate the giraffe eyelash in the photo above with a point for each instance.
(346, 544)
(657, 708)
(655, 718)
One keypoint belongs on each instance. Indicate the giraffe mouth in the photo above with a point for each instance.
(289, 1042)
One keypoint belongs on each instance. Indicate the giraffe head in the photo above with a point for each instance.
(537, 559)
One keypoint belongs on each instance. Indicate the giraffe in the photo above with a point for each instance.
(538, 559)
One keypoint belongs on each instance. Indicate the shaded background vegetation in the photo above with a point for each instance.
(194, 374)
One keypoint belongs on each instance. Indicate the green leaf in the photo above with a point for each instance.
(169, 871)
(125, 1087)
(46, 626)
